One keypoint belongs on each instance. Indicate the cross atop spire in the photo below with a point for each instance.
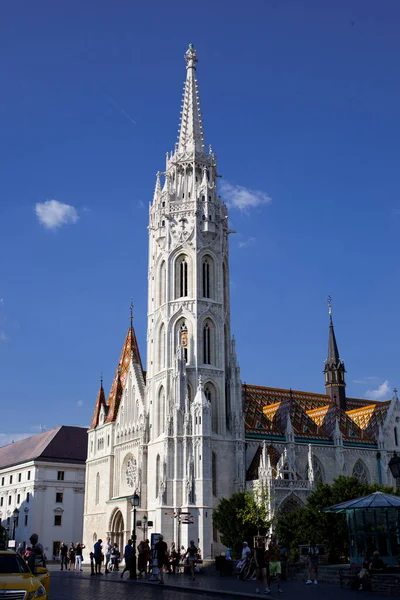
(191, 137)
(131, 312)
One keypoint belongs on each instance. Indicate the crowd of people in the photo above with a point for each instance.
(155, 560)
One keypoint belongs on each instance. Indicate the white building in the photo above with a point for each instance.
(43, 477)
(176, 433)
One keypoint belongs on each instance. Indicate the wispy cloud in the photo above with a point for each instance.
(53, 214)
(238, 196)
(367, 380)
(395, 212)
(9, 438)
(3, 336)
(247, 242)
(79, 403)
(381, 392)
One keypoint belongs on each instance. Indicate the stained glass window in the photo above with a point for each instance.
(360, 471)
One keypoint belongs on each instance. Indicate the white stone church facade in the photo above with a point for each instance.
(186, 432)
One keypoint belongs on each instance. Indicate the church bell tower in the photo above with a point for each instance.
(193, 388)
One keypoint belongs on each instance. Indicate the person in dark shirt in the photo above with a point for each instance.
(97, 551)
(192, 552)
(161, 549)
(262, 565)
(64, 556)
(377, 563)
(128, 557)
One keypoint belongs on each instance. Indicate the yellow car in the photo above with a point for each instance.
(18, 582)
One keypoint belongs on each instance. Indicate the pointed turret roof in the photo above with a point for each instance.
(101, 401)
(333, 352)
(191, 137)
(130, 352)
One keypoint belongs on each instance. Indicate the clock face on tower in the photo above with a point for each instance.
(131, 472)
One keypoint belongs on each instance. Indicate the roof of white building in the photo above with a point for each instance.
(63, 444)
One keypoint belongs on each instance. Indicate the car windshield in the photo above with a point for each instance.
(12, 563)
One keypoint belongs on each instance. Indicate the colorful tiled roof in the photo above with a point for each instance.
(312, 415)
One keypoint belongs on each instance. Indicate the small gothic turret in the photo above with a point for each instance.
(334, 368)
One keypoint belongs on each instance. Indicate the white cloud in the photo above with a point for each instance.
(53, 214)
(381, 392)
(9, 438)
(79, 403)
(367, 380)
(241, 197)
(3, 336)
(247, 242)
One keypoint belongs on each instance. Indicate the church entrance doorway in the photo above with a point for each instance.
(117, 530)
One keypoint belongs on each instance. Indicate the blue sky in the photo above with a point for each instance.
(301, 104)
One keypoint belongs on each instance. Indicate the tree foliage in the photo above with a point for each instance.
(310, 524)
(241, 517)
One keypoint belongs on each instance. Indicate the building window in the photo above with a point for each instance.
(160, 411)
(27, 497)
(360, 471)
(207, 344)
(11, 478)
(60, 475)
(214, 474)
(9, 500)
(26, 521)
(57, 520)
(97, 488)
(162, 284)
(28, 475)
(207, 278)
(2, 481)
(19, 477)
(1, 501)
(161, 347)
(181, 277)
(18, 498)
(396, 439)
(59, 497)
(211, 396)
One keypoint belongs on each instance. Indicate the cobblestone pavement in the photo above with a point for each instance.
(69, 585)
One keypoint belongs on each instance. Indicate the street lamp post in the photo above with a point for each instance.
(144, 526)
(135, 501)
(15, 521)
(394, 466)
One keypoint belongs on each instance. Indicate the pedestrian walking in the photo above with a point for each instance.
(162, 557)
(98, 555)
(262, 566)
(192, 552)
(115, 557)
(143, 556)
(128, 557)
(79, 556)
(173, 558)
(107, 552)
(64, 556)
(71, 556)
(313, 561)
(284, 561)
(275, 562)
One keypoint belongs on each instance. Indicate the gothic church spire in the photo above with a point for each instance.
(191, 137)
(334, 368)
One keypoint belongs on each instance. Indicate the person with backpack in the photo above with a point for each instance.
(262, 570)
(313, 561)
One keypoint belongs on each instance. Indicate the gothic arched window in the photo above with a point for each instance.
(360, 471)
(211, 395)
(181, 277)
(162, 284)
(97, 494)
(207, 276)
(182, 337)
(207, 343)
(158, 467)
(161, 347)
(396, 439)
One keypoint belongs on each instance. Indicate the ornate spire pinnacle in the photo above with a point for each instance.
(334, 367)
(131, 312)
(157, 190)
(191, 138)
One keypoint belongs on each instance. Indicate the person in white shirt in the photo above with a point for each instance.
(107, 551)
(246, 551)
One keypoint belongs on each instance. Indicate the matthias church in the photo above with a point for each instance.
(184, 431)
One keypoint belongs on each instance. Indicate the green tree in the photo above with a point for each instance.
(241, 517)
